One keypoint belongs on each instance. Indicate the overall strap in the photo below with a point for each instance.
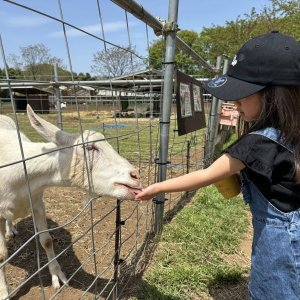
(274, 135)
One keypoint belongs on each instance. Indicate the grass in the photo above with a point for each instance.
(191, 254)
(230, 140)
(190, 258)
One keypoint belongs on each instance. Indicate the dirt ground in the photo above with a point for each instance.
(69, 220)
(95, 277)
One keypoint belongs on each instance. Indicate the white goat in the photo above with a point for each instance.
(62, 164)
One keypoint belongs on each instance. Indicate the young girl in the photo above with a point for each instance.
(264, 83)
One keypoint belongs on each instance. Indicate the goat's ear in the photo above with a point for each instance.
(49, 131)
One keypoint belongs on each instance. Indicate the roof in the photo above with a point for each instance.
(147, 74)
(144, 78)
(25, 89)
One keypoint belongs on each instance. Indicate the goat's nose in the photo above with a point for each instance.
(134, 174)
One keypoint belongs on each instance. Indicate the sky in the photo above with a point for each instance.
(20, 27)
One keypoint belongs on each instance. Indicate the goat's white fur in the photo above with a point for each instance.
(61, 165)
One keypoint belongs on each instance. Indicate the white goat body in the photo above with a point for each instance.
(60, 162)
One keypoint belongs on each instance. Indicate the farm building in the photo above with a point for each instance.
(38, 98)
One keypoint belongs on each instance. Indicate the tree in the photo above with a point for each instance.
(282, 15)
(12, 73)
(156, 54)
(116, 62)
(183, 61)
(83, 76)
(35, 61)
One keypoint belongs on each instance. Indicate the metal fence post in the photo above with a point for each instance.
(212, 124)
(166, 109)
(219, 106)
(57, 97)
(119, 223)
(188, 157)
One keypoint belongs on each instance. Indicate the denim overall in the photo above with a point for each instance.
(275, 259)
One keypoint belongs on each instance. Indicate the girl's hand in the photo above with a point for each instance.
(147, 193)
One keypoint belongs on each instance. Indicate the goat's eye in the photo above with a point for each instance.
(91, 147)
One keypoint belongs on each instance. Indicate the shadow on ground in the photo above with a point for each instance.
(26, 264)
(230, 290)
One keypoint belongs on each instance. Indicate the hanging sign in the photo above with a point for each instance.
(190, 105)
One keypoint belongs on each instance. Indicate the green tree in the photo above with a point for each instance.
(156, 54)
(282, 15)
(83, 76)
(225, 40)
(183, 61)
(12, 73)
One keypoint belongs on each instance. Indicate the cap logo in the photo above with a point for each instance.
(217, 82)
(234, 61)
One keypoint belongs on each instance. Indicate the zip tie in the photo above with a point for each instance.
(168, 63)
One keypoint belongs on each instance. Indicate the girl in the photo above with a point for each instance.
(264, 83)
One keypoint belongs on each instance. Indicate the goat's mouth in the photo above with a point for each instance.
(134, 190)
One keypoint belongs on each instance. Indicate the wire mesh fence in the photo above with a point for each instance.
(100, 242)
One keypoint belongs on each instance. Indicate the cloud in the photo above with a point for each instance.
(94, 29)
(26, 21)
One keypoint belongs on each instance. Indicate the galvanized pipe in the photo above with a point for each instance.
(213, 124)
(225, 68)
(96, 83)
(138, 11)
(166, 112)
(57, 98)
(189, 51)
(15, 83)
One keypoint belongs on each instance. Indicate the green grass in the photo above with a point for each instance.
(231, 139)
(190, 254)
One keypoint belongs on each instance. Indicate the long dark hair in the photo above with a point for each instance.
(281, 110)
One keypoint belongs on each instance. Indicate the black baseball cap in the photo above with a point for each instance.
(266, 60)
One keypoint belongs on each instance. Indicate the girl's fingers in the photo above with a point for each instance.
(146, 193)
(142, 196)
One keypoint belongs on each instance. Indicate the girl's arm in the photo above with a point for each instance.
(221, 168)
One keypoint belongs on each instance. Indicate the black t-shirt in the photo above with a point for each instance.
(271, 168)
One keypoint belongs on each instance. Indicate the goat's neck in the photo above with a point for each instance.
(50, 169)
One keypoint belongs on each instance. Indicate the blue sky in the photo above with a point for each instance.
(21, 27)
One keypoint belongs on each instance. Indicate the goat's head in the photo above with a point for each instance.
(94, 162)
